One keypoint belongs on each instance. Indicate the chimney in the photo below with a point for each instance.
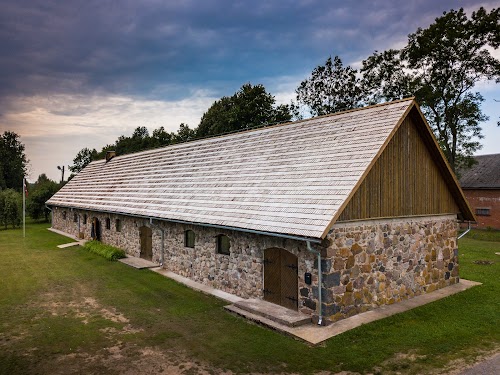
(110, 155)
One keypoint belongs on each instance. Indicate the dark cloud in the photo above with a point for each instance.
(164, 49)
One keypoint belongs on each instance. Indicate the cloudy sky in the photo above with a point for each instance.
(79, 73)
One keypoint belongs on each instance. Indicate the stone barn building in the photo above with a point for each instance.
(481, 185)
(330, 216)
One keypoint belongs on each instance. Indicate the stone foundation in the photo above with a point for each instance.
(365, 263)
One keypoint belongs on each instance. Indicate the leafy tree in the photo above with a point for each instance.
(10, 208)
(185, 133)
(141, 132)
(385, 76)
(139, 141)
(40, 192)
(161, 138)
(331, 88)
(13, 162)
(441, 66)
(84, 157)
(249, 107)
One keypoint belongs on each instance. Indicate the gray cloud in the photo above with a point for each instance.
(79, 73)
(130, 47)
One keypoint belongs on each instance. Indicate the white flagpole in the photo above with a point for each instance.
(24, 207)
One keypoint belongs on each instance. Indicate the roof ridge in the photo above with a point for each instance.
(272, 125)
(265, 126)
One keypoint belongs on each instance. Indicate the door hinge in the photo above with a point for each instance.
(293, 267)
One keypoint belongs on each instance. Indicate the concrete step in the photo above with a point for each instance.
(262, 320)
(274, 312)
(138, 263)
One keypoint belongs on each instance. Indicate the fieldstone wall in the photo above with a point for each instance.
(240, 273)
(365, 264)
(127, 239)
(378, 262)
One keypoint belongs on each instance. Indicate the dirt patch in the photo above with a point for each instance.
(399, 363)
(85, 308)
(457, 366)
(129, 360)
(118, 358)
(407, 363)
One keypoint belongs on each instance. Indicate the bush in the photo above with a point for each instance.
(10, 208)
(107, 251)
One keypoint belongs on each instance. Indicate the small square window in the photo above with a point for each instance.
(189, 238)
(223, 244)
(75, 218)
(483, 211)
(64, 215)
(108, 223)
(118, 225)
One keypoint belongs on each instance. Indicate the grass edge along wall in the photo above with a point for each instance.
(365, 263)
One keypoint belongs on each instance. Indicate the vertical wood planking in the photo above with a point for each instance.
(404, 181)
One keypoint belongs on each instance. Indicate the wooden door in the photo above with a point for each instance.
(146, 236)
(281, 278)
(95, 231)
(289, 280)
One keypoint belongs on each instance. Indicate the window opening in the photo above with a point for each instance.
(223, 244)
(189, 238)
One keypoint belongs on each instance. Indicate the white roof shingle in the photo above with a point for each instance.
(286, 179)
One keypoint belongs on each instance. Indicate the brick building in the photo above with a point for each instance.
(481, 185)
(330, 216)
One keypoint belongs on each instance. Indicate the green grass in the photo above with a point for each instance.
(484, 235)
(106, 251)
(60, 308)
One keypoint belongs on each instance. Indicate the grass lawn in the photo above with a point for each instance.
(65, 311)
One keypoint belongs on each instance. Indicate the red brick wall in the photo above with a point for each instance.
(485, 199)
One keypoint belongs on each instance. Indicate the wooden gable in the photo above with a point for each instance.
(406, 180)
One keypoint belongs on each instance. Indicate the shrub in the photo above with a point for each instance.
(10, 208)
(107, 251)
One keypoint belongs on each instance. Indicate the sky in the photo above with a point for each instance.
(80, 73)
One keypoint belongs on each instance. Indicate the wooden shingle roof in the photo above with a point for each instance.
(285, 179)
(483, 175)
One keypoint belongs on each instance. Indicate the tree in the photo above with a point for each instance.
(441, 65)
(385, 76)
(13, 162)
(249, 107)
(161, 138)
(139, 141)
(40, 192)
(84, 157)
(184, 134)
(331, 88)
(10, 208)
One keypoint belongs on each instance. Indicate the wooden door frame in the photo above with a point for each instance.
(96, 227)
(145, 230)
(274, 287)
